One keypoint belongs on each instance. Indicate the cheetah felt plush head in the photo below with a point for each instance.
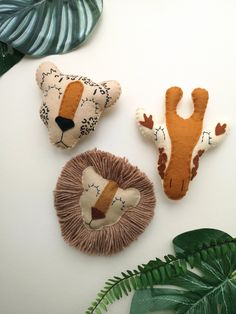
(72, 104)
(180, 142)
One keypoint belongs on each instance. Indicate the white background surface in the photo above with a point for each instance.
(148, 45)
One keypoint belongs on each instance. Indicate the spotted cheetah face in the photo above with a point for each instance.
(72, 105)
(103, 202)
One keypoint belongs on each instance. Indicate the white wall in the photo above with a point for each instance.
(148, 45)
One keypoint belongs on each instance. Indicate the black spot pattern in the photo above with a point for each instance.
(88, 125)
(108, 97)
(44, 111)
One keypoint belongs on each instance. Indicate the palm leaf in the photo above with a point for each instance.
(210, 292)
(220, 300)
(8, 57)
(43, 27)
(159, 299)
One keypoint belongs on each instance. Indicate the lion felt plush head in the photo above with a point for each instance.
(103, 202)
(180, 142)
(72, 104)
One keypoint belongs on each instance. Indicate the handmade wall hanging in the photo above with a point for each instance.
(170, 285)
(180, 142)
(103, 202)
(72, 104)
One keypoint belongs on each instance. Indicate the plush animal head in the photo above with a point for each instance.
(103, 202)
(72, 105)
(180, 142)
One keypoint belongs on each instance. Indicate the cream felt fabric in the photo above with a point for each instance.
(180, 142)
(72, 104)
(95, 189)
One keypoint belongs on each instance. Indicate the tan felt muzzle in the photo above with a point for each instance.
(184, 135)
(102, 204)
(69, 105)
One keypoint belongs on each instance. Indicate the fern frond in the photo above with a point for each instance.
(157, 272)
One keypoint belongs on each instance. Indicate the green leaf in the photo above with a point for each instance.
(133, 283)
(98, 311)
(190, 281)
(189, 241)
(8, 57)
(219, 300)
(212, 290)
(156, 275)
(158, 299)
(43, 27)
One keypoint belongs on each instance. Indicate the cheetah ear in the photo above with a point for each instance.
(112, 91)
(45, 74)
(132, 197)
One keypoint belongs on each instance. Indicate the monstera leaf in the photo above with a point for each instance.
(212, 292)
(8, 57)
(191, 240)
(43, 27)
(210, 288)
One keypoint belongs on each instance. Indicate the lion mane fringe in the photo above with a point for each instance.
(112, 238)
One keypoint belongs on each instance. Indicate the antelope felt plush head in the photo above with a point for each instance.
(180, 142)
(72, 105)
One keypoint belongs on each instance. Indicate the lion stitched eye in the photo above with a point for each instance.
(96, 187)
(116, 199)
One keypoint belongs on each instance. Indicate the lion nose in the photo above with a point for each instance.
(97, 214)
(64, 123)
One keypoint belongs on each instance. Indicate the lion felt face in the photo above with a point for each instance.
(103, 202)
(72, 105)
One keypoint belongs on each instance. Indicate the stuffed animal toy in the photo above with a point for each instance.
(180, 142)
(72, 104)
(103, 202)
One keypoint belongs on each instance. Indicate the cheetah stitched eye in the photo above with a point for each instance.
(122, 202)
(96, 187)
(102, 91)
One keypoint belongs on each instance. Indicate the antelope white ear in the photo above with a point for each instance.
(45, 74)
(145, 123)
(212, 136)
(132, 197)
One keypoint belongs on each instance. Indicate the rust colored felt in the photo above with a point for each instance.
(71, 99)
(196, 163)
(184, 135)
(111, 238)
(148, 122)
(106, 197)
(162, 162)
(220, 129)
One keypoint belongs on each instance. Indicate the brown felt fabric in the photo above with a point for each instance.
(148, 121)
(71, 100)
(220, 129)
(184, 134)
(106, 197)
